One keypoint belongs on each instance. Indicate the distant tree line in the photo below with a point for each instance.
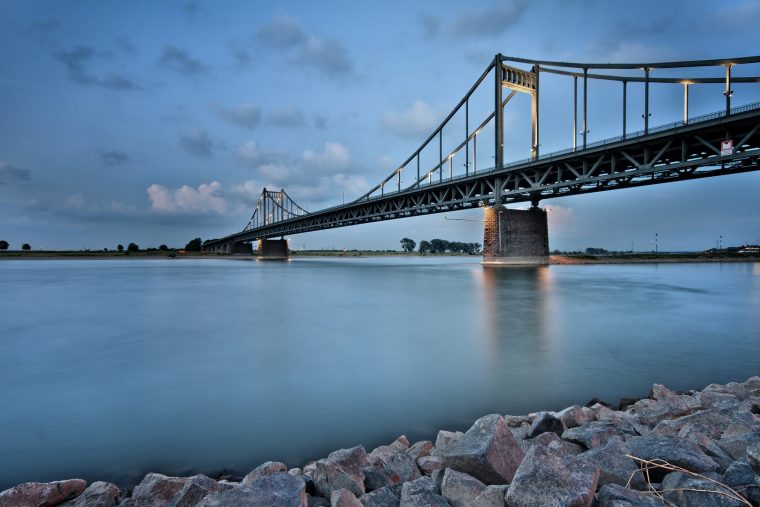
(440, 246)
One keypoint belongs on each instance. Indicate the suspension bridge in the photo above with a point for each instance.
(723, 142)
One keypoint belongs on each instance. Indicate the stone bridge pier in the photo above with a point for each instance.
(273, 249)
(515, 237)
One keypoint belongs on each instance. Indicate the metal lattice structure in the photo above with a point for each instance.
(724, 142)
(273, 207)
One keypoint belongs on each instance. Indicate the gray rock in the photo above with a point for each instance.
(675, 451)
(460, 489)
(572, 417)
(428, 464)
(97, 494)
(487, 451)
(421, 493)
(42, 493)
(344, 498)
(679, 488)
(492, 496)
(698, 435)
(263, 470)
(404, 466)
(736, 446)
(341, 469)
(547, 479)
(546, 422)
(420, 449)
(753, 455)
(295, 471)
(195, 489)
(316, 501)
(385, 452)
(514, 421)
(277, 490)
(445, 438)
(379, 476)
(615, 467)
(614, 495)
(383, 497)
(592, 434)
(157, 490)
(740, 474)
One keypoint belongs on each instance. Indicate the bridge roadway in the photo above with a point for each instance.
(669, 153)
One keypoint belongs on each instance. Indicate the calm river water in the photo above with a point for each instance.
(113, 368)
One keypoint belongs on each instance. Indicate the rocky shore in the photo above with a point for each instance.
(699, 448)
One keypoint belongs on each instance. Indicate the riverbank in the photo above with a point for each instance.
(669, 448)
(624, 258)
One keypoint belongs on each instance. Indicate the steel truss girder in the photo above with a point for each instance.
(656, 158)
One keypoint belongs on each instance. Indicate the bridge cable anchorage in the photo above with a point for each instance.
(273, 207)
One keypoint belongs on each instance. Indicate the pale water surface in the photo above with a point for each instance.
(113, 368)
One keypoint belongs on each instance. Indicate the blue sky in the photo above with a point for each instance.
(156, 122)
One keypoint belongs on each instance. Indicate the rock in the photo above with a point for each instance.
(596, 401)
(573, 417)
(379, 476)
(675, 451)
(344, 498)
(736, 446)
(268, 468)
(404, 466)
(592, 434)
(514, 421)
(383, 497)
(278, 490)
(740, 474)
(627, 402)
(157, 490)
(195, 489)
(428, 464)
(445, 438)
(615, 467)
(385, 452)
(492, 496)
(546, 422)
(42, 494)
(316, 501)
(420, 449)
(460, 489)
(614, 495)
(421, 493)
(545, 478)
(551, 441)
(342, 469)
(678, 489)
(97, 494)
(697, 434)
(487, 451)
(753, 455)
(295, 471)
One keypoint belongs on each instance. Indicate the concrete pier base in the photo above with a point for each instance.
(515, 237)
(273, 249)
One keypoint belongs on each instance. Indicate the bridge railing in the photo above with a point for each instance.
(672, 126)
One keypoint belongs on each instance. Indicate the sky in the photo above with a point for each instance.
(157, 122)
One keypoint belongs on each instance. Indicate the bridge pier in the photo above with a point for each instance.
(273, 249)
(232, 248)
(515, 237)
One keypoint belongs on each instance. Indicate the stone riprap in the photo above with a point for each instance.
(573, 457)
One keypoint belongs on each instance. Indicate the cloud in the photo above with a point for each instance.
(334, 157)
(251, 154)
(320, 121)
(10, 174)
(418, 120)
(77, 202)
(288, 117)
(197, 143)
(244, 115)
(285, 35)
(476, 23)
(180, 61)
(205, 199)
(77, 62)
(114, 157)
